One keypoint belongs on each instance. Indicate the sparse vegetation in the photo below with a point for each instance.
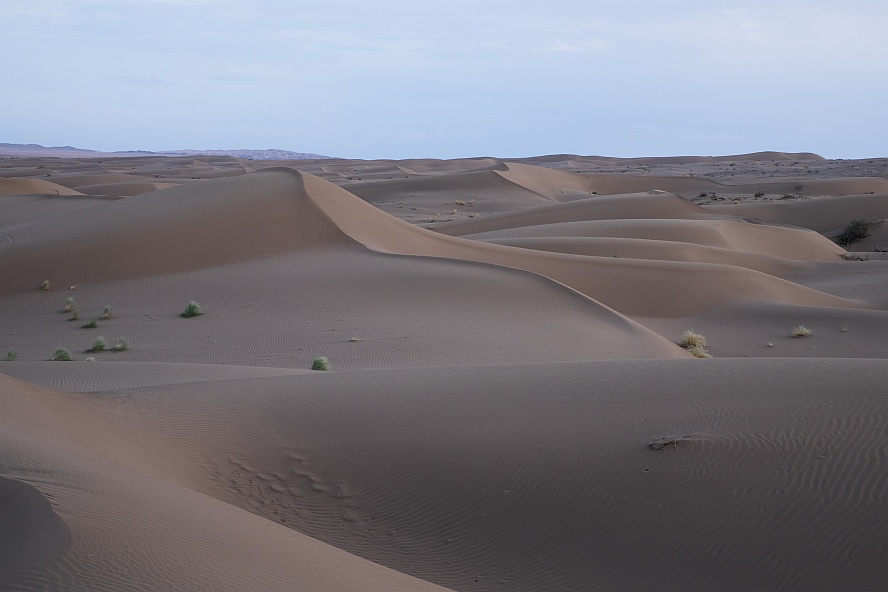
(69, 304)
(690, 338)
(120, 345)
(45, 286)
(801, 331)
(321, 363)
(856, 230)
(75, 314)
(760, 193)
(10, 356)
(98, 345)
(89, 359)
(699, 352)
(106, 314)
(61, 355)
(192, 310)
(695, 343)
(90, 325)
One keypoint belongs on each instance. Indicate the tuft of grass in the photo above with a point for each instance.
(856, 230)
(10, 356)
(801, 331)
(699, 352)
(98, 345)
(321, 363)
(45, 286)
(75, 314)
(691, 338)
(192, 310)
(61, 355)
(106, 314)
(89, 359)
(69, 304)
(120, 345)
(89, 325)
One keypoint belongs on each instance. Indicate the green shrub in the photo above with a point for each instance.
(321, 363)
(10, 356)
(98, 345)
(69, 304)
(61, 355)
(106, 314)
(89, 325)
(75, 314)
(856, 230)
(192, 310)
(121, 345)
(45, 286)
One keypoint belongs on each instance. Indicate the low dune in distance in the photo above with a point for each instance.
(515, 401)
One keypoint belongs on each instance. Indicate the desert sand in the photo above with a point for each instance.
(510, 405)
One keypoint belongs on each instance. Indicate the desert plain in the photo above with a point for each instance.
(510, 405)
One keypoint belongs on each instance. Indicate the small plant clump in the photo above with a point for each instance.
(45, 286)
(192, 310)
(695, 343)
(691, 338)
(61, 355)
(106, 314)
(856, 230)
(760, 193)
(98, 345)
(10, 356)
(801, 331)
(69, 304)
(699, 352)
(89, 325)
(120, 345)
(321, 363)
(75, 314)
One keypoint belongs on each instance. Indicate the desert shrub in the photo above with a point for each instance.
(121, 345)
(855, 231)
(45, 286)
(106, 314)
(10, 356)
(192, 310)
(61, 355)
(690, 338)
(699, 352)
(801, 331)
(69, 304)
(98, 345)
(321, 363)
(760, 193)
(89, 325)
(75, 314)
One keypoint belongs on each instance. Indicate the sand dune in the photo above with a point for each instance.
(509, 407)
(540, 478)
(32, 187)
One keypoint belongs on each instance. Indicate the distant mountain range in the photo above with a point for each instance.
(25, 150)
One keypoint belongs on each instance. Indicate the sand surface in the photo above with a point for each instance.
(510, 407)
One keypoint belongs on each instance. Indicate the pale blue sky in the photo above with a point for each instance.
(402, 79)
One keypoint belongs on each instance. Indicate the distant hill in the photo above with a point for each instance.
(25, 150)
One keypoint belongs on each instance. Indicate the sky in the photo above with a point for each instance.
(448, 79)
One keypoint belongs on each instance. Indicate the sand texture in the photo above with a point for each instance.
(510, 405)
